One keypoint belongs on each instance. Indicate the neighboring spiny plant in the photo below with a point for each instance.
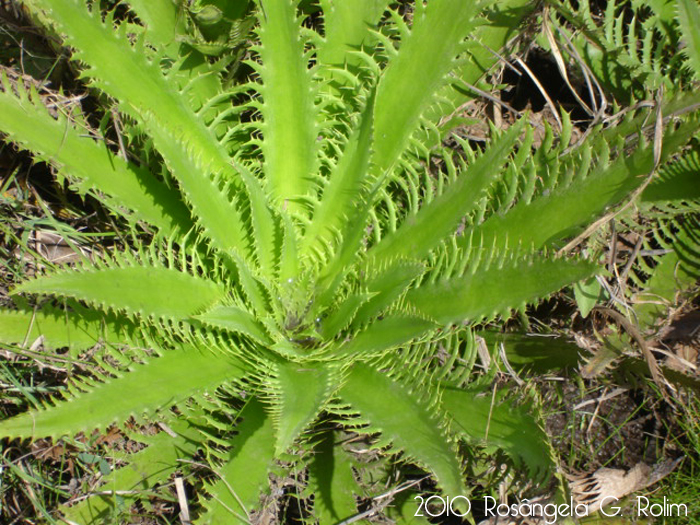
(631, 47)
(660, 277)
(673, 200)
(318, 257)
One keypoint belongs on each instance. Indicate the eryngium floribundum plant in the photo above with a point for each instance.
(317, 256)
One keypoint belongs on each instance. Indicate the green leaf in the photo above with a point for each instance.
(332, 482)
(343, 315)
(390, 332)
(302, 391)
(216, 214)
(689, 18)
(335, 271)
(549, 218)
(289, 258)
(142, 290)
(413, 77)
(441, 217)
(347, 28)
(244, 475)
(59, 329)
(675, 273)
(677, 182)
(156, 385)
(503, 19)
(92, 165)
(388, 285)
(189, 148)
(487, 292)
(483, 419)
(406, 510)
(289, 114)
(237, 320)
(253, 288)
(409, 423)
(162, 19)
(265, 229)
(104, 467)
(664, 9)
(343, 191)
(86, 457)
(538, 354)
(587, 294)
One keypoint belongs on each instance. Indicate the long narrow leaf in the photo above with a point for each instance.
(410, 424)
(347, 29)
(265, 225)
(290, 146)
(58, 329)
(162, 19)
(483, 51)
(156, 291)
(390, 332)
(236, 320)
(562, 213)
(436, 220)
(302, 391)
(157, 385)
(689, 18)
(497, 289)
(332, 482)
(190, 149)
(412, 78)
(244, 475)
(344, 188)
(388, 285)
(90, 164)
(483, 419)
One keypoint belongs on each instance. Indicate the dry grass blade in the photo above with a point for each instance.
(182, 501)
(591, 81)
(561, 65)
(542, 90)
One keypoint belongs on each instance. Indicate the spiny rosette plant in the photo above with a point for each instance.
(317, 258)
